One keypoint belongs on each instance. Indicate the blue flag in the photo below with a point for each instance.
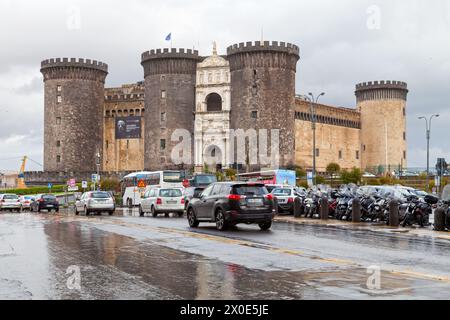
(169, 37)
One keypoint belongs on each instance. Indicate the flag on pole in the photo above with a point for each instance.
(169, 37)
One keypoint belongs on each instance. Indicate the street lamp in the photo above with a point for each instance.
(428, 136)
(313, 101)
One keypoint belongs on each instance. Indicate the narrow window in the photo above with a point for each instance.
(58, 120)
(58, 99)
(357, 155)
(58, 143)
(107, 144)
(163, 94)
(340, 154)
(404, 155)
(404, 135)
(58, 88)
(58, 159)
(254, 114)
(317, 152)
(163, 116)
(128, 144)
(162, 145)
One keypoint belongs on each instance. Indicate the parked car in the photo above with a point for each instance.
(271, 187)
(162, 200)
(285, 198)
(95, 201)
(10, 202)
(46, 202)
(202, 180)
(230, 203)
(189, 193)
(26, 202)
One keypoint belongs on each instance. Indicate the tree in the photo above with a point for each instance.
(230, 174)
(353, 176)
(110, 185)
(300, 172)
(333, 169)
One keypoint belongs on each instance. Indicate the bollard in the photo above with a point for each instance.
(439, 219)
(324, 208)
(298, 207)
(394, 220)
(356, 210)
(275, 205)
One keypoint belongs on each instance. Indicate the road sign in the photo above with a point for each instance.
(72, 189)
(84, 184)
(309, 177)
(50, 185)
(95, 177)
(71, 183)
(142, 184)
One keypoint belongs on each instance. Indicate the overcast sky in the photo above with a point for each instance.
(342, 43)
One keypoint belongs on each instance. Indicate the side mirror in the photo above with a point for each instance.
(77, 198)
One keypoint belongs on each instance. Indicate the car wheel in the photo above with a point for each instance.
(76, 211)
(141, 212)
(111, 213)
(221, 224)
(154, 213)
(130, 203)
(180, 214)
(265, 225)
(20, 209)
(86, 211)
(193, 223)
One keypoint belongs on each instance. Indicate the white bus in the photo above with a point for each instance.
(136, 184)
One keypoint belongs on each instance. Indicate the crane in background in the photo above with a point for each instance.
(21, 177)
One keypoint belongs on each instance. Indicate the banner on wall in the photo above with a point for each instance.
(128, 128)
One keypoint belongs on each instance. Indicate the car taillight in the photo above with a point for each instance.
(234, 197)
(269, 197)
(159, 201)
(290, 200)
(3, 200)
(182, 201)
(41, 200)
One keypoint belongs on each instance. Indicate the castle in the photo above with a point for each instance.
(90, 127)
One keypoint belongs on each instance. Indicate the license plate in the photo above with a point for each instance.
(254, 202)
(49, 206)
(281, 200)
(171, 202)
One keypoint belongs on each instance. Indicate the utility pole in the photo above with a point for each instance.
(313, 101)
(428, 137)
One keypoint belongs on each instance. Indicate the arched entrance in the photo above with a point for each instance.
(213, 102)
(212, 156)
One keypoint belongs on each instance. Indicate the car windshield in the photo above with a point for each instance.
(170, 193)
(11, 197)
(205, 179)
(49, 197)
(245, 190)
(282, 192)
(100, 195)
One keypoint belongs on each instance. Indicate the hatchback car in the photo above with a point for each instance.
(26, 202)
(10, 202)
(95, 201)
(230, 203)
(162, 200)
(190, 193)
(285, 198)
(46, 202)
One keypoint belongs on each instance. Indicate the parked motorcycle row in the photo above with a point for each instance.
(415, 207)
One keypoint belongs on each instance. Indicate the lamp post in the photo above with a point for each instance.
(313, 101)
(428, 136)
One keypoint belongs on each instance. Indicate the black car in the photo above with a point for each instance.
(230, 203)
(46, 202)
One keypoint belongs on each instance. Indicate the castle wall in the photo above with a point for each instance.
(74, 97)
(263, 81)
(170, 78)
(383, 119)
(337, 136)
(123, 154)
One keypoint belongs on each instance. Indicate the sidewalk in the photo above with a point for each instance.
(369, 227)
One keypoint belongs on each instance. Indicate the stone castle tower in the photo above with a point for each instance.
(73, 113)
(170, 78)
(263, 91)
(382, 105)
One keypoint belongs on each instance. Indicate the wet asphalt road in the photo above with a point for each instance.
(128, 257)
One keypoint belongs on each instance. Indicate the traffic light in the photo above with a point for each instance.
(441, 166)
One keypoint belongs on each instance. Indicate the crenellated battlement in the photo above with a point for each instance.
(381, 90)
(174, 53)
(74, 62)
(257, 46)
(382, 85)
(125, 97)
